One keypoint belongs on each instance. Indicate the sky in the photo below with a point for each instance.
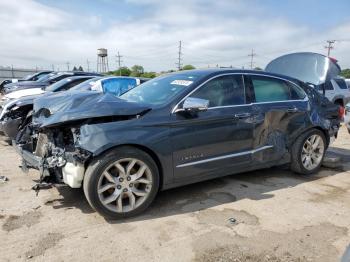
(50, 33)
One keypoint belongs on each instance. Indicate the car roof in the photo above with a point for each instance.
(79, 77)
(210, 72)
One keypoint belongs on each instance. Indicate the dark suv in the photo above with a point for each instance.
(33, 77)
(178, 129)
(45, 81)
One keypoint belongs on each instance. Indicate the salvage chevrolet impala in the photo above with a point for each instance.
(177, 129)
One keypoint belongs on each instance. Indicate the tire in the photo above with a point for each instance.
(116, 162)
(297, 164)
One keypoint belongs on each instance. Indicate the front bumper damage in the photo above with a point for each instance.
(56, 164)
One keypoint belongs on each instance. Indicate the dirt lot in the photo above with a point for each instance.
(267, 215)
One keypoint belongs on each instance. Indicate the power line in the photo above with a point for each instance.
(119, 61)
(179, 59)
(330, 46)
(252, 54)
(88, 65)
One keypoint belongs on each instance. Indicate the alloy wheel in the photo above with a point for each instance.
(124, 185)
(312, 152)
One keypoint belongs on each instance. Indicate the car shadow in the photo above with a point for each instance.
(256, 185)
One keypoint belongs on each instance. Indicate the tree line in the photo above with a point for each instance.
(138, 71)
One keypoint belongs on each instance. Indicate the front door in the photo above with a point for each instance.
(215, 141)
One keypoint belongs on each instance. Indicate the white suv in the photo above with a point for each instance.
(347, 116)
(337, 91)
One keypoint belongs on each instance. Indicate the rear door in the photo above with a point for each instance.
(280, 109)
(216, 141)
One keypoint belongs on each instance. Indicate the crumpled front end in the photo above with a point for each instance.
(50, 141)
(54, 154)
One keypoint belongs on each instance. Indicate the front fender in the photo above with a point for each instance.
(99, 138)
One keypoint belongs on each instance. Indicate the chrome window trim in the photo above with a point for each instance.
(306, 98)
(225, 156)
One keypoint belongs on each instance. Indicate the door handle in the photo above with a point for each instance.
(243, 115)
(292, 110)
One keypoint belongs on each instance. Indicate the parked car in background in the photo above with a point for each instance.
(45, 81)
(348, 82)
(61, 85)
(32, 77)
(178, 129)
(347, 116)
(337, 91)
(16, 111)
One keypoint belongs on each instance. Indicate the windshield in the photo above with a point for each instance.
(86, 85)
(28, 77)
(46, 77)
(160, 90)
(57, 85)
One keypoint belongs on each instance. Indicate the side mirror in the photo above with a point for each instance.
(192, 104)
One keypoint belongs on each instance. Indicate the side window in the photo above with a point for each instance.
(341, 83)
(56, 79)
(118, 86)
(296, 92)
(268, 89)
(223, 91)
(73, 83)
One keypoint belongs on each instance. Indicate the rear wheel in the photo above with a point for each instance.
(121, 183)
(308, 152)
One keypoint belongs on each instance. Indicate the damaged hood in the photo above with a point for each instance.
(67, 107)
(308, 67)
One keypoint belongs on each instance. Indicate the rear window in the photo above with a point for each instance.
(341, 83)
(268, 89)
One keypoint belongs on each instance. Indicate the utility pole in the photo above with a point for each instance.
(88, 65)
(329, 46)
(252, 54)
(119, 61)
(68, 65)
(53, 67)
(179, 64)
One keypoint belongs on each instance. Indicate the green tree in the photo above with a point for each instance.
(188, 67)
(345, 73)
(257, 68)
(75, 68)
(124, 71)
(149, 74)
(137, 70)
(80, 68)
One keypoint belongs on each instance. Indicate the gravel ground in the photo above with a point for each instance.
(266, 215)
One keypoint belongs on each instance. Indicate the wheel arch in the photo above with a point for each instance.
(143, 148)
(325, 133)
(338, 99)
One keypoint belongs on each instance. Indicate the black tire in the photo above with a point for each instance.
(99, 164)
(296, 162)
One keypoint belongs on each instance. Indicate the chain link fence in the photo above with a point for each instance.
(15, 73)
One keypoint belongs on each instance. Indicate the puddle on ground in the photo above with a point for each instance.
(27, 219)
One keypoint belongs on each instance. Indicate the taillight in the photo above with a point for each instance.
(341, 112)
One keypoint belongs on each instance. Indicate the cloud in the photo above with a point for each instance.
(212, 32)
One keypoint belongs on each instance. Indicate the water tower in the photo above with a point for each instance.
(102, 60)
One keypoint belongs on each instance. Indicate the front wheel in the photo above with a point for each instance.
(121, 183)
(308, 152)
